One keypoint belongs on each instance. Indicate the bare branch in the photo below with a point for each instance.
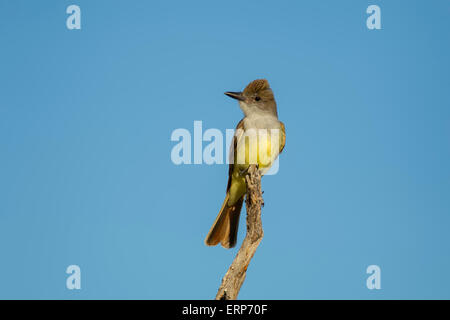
(235, 276)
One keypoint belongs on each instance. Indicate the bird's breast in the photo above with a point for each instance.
(259, 143)
(261, 121)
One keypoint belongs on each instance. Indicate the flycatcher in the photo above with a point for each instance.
(259, 138)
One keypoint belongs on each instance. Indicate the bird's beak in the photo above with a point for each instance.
(235, 95)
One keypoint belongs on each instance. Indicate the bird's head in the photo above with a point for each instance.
(257, 97)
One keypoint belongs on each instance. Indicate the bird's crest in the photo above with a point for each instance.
(256, 86)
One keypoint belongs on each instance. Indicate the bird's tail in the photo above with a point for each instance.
(225, 227)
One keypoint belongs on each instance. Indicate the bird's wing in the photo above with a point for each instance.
(237, 136)
(283, 137)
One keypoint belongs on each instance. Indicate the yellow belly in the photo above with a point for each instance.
(259, 147)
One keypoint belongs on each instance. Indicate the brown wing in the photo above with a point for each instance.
(283, 137)
(237, 135)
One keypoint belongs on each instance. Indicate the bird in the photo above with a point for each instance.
(260, 123)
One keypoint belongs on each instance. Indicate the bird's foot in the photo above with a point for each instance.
(262, 199)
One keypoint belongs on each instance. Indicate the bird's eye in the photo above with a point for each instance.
(257, 98)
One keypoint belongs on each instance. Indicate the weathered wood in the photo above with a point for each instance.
(235, 276)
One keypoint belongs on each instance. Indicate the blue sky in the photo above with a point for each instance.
(86, 176)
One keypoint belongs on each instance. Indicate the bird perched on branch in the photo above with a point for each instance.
(259, 138)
